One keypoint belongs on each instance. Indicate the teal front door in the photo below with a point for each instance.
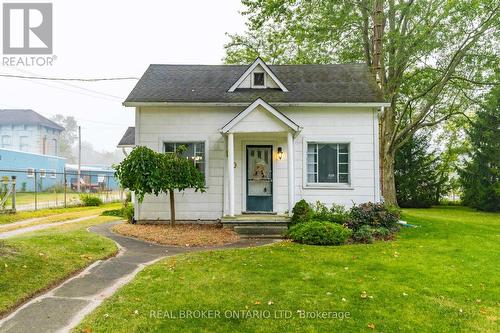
(259, 178)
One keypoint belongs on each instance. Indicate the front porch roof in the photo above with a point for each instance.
(272, 111)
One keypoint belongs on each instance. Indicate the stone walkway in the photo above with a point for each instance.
(20, 231)
(63, 307)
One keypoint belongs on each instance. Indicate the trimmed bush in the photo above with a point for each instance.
(90, 200)
(374, 215)
(319, 233)
(302, 212)
(363, 235)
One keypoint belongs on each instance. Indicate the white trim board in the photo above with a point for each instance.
(260, 102)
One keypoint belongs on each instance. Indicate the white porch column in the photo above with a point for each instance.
(291, 174)
(230, 168)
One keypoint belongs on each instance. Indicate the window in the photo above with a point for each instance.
(52, 174)
(194, 151)
(30, 172)
(23, 143)
(42, 173)
(258, 79)
(6, 141)
(328, 163)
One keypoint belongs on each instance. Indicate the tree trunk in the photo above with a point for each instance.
(172, 207)
(387, 155)
(388, 180)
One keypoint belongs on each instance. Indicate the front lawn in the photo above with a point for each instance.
(37, 260)
(441, 277)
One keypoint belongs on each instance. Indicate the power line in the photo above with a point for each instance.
(68, 79)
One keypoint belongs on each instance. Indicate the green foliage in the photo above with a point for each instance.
(336, 213)
(363, 235)
(90, 200)
(302, 212)
(319, 233)
(127, 212)
(145, 171)
(419, 182)
(481, 176)
(374, 215)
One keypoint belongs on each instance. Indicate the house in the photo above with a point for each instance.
(26, 130)
(32, 171)
(263, 136)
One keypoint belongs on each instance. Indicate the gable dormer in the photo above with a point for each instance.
(258, 76)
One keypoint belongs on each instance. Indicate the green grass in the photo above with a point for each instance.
(32, 262)
(441, 277)
(50, 213)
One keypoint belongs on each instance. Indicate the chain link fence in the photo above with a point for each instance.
(32, 189)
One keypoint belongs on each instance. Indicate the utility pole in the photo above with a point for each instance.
(79, 158)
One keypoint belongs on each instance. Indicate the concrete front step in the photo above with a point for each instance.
(261, 231)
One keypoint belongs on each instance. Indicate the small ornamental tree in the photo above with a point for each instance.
(145, 171)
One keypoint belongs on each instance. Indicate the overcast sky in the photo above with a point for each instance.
(116, 38)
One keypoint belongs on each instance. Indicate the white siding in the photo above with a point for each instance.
(353, 125)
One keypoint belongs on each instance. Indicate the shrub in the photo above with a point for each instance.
(374, 215)
(319, 233)
(90, 200)
(127, 212)
(302, 212)
(363, 235)
(113, 212)
(381, 233)
(336, 214)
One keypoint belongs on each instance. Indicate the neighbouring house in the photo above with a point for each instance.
(26, 130)
(32, 171)
(29, 149)
(263, 136)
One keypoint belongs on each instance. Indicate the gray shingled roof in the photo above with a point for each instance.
(349, 83)
(26, 117)
(128, 138)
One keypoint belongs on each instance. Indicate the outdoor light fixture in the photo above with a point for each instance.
(280, 153)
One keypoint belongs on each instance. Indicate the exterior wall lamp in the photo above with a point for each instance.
(280, 153)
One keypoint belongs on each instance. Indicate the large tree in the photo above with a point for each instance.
(430, 58)
(480, 177)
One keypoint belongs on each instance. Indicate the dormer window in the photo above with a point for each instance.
(258, 79)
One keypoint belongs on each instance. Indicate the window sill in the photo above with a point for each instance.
(329, 186)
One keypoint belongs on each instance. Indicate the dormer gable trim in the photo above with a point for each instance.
(251, 68)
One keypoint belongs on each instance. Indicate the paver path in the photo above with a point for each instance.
(63, 307)
(15, 232)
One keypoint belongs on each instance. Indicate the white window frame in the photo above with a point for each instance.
(340, 186)
(30, 172)
(188, 139)
(52, 173)
(43, 173)
(253, 80)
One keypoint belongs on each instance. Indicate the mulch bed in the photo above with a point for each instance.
(180, 235)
